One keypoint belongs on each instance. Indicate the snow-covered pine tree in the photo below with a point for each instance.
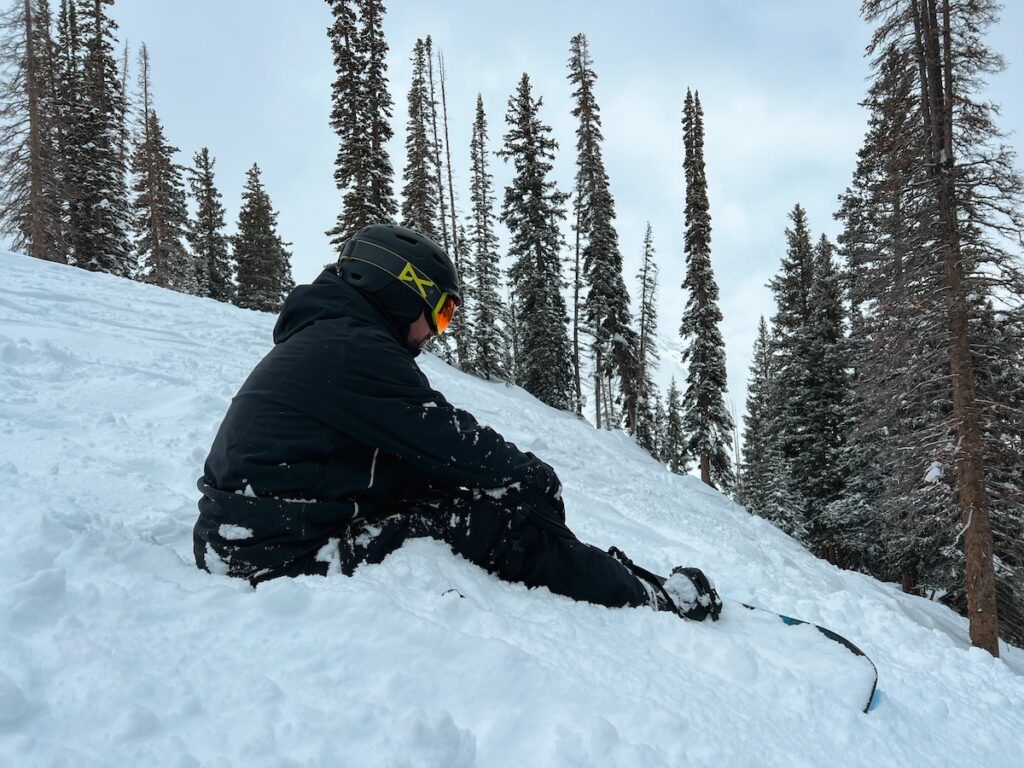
(707, 421)
(758, 442)
(647, 353)
(532, 208)
(1001, 412)
(674, 442)
(30, 189)
(124, 133)
(160, 209)
(99, 210)
(360, 112)
(263, 263)
(791, 386)
(606, 314)
(420, 192)
(946, 191)
(206, 231)
(68, 75)
(660, 418)
(828, 407)
(489, 340)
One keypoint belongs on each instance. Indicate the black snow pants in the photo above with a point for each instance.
(518, 537)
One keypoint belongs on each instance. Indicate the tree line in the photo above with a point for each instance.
(89, 178)
(515, 324)
(884, 424)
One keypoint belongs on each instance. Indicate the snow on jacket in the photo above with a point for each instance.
(337, 421)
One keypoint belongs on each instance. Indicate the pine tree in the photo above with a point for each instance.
(934, 194)
(660, 419)
(206, 232)
(99, 210)
(757, 440)
(1001, 401)
(647, 352)
(67, 104)
(489, 342)
(420, 193)
(606, 314)
(160, 208)
(532, 208)
(708, 423)
(674, 442)
(263, 263)
(30, 189)
(360, 113)
(792, 386)
(827, 409)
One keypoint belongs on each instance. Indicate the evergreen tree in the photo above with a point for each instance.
(707, 421)
(1001, 399)
(606, 314)
(30, 190)
(263, 263)
(161, 212)
(658, 435)
(827, 409)
(674, 442)
(532, 209)
(792, 386)
(489, 342)
(420, 193)
(360, 112)
(757, 440)
(67, 105)
(934, 194)
(206, 232)
(99, 210)
(647, 353)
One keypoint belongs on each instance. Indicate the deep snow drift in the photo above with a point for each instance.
(115, 650)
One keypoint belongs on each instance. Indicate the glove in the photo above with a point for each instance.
(693, 594)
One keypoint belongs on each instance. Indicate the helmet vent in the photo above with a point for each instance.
(406, 238)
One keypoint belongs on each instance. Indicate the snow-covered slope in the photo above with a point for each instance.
(115, 650)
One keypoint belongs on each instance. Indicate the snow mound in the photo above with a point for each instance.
(115, 650)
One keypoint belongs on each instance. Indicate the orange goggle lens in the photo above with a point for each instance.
(443, 313)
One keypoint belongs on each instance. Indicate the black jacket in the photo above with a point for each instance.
(337, 421)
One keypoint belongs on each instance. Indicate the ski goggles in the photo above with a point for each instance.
(441, 304)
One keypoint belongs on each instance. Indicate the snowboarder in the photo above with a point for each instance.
(336, 450)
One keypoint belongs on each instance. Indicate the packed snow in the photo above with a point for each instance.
(115, 650)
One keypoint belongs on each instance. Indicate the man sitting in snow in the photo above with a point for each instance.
(336, 450)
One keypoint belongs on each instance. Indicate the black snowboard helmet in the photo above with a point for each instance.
(404, 272)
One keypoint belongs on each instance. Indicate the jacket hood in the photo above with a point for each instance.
(327, 298)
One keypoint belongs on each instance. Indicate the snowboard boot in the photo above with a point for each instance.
(687, 592)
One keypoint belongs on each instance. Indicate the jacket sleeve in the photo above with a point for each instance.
(380, 397)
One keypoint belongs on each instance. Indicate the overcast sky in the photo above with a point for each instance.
(779, 81)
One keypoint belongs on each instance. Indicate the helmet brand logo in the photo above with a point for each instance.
(409, 276)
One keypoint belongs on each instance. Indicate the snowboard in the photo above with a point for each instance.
(861, 676)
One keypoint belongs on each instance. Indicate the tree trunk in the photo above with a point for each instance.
(705, 469)
(597, 388)
(972, 496)
(908, 580)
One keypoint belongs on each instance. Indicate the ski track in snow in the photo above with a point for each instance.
(115, 650)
